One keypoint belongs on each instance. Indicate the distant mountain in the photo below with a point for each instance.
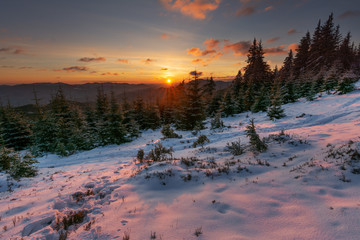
(23, 94)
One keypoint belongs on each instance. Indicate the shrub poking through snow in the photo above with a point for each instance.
(15, 165)
(168, 132)
(140, 155)
(202, 139)
(160, 153)
(198, 231)
(255, 140)
(126, 236)
(346, 85)
(72, 218)
(235, 148)
(216, 122)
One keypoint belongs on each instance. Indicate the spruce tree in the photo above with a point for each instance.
(302, 56)
(193, 115)
(275, 111)
(14, 129)
(255, 141)
(228, 106)
(261, 101)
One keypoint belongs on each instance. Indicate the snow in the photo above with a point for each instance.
(294, 190)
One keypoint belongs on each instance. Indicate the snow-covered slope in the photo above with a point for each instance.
(305, 186)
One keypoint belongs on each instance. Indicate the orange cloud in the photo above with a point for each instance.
(239, 48)
(148, 61)
(166, 36)
(111, 74)
(245, 11)
(271, 40)
(13, 50)
(211, 43)
(194, 51)
(280, 50)
(293, 47)
(164, 69)
(3, 30)
(87, 59)
(269, 8)
(74, 69)
(196, 9)
(292, 31)
(121, 60)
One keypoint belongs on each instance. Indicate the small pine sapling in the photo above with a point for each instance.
(275, 111)
(202, 139)
(255, 140)
(216, 122)
(168, 132)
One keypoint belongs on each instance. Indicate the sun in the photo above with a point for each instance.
(168, 81)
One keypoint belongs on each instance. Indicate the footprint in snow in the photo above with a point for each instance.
(124, 222)
(221, 207)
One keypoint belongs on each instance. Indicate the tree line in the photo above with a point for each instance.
(325, 61)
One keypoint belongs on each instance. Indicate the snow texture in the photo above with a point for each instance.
(305, 186)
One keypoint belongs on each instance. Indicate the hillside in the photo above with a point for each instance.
(304, 186)
(23, 94)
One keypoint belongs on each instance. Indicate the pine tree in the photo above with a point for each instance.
(286, 72)
(275, 111)
(255, 140)
(237, 84)
(14, 129)
(209, 89)
(113, 131)
(310, 94)
(257, 72)
(214, 105)
(346, 54)
(193, 115)
(261, 101)
(345, 85)
(302, 56)
(289, 93)
(228, 106)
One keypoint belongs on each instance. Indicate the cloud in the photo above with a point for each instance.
(111, 74)
(269, 8)
(6, 66)
(13, 50)
(239, 48)
(148, 61)
(75, 69)
(350, 13)
(164, 69)
(3, 30)
(211, 44)
(194, 51)
(121, 60)
(245, 11)
(271, 40)
(280, 50)
(292, 31)
(166, 36)
(211, 52)
(293, 47)
(25, 67)
(193, 73)
(196, 9)
(5, 50)
(87, 59)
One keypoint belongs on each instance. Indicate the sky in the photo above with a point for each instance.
(151, 41)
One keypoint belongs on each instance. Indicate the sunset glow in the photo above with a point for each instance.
(122, 42)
